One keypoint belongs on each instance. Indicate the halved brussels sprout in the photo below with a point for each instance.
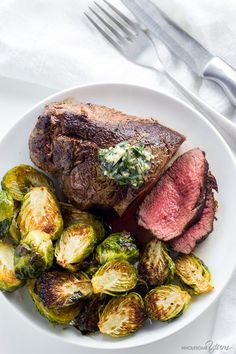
(87, 321)
(33, 255)
(59, 289)
(72, 215)
(166, 302)
(8, 279)
(14, 230)
(75, 244)
(39, 211)
(117, 246)
(62, 316)
(114, 277)
(194, 273)
(20, 179)
(156, 266)
(6, 212)
(122, 315)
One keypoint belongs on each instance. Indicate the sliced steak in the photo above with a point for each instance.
(178, 198)
(65, 143)
(200, 230)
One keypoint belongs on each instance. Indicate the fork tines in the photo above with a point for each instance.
(111, 23)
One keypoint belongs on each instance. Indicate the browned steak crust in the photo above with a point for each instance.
(66, 139)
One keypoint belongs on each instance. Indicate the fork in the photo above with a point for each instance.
(135, 44)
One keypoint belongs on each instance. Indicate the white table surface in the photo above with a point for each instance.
(17, 336)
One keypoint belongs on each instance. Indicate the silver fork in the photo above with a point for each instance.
(135, 43)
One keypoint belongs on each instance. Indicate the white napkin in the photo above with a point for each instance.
(51, 43)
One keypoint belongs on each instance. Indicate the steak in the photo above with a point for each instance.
(201, 229)
(178, 198)
(65, 143)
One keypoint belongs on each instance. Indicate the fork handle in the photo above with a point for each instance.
(225, 126)
(224, 75)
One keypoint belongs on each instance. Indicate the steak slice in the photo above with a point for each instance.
(204, 226)
(178, 198)
(199, 231)
(65, 143)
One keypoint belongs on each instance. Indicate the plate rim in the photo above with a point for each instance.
(120, 344)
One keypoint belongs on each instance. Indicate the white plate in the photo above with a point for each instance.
(218, 251)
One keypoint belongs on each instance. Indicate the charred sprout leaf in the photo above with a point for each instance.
(8, 279)
(6, 213)
(75, 244)
(14, 230)
(117, 246)
(122, 315)
(166, 302)
(59, 289)
(156, 266)
(194, 273)
(91, 269)
(39, 211)
(126, 163)
(87, 321)
(72, 215)
(20, 179)
(141, 287)
(33, 255)
(114, 277)
(62, 316)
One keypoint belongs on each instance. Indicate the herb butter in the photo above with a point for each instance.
(126, 163)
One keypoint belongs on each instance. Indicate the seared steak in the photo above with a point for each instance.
(201, 229)
(66, 139)
(178, 198)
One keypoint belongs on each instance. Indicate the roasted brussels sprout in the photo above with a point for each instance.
(20, 179)
(72, 215)
(87, 321)
(6, 212)
(117, 246)
(75, 244)
(114, 277)
(39, 211)
(60, 289)
(14, 230)
(166, 302)
(8, 279)
(63, 316)
(194, 273)
(33, 255)
(156, 266)
(122, 315)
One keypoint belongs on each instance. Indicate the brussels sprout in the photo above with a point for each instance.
(166, 302)
(59, 289)
(72, 215)
(6, 212)
(75, 244)
(39, 211)
(8, 279)
(62, 316)
(117, 246)
(87, 321)
(156, 266)
(20, 179)
(114, 277)
(122, 315)
(194, 273)
(33, 255)
(14, 230)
